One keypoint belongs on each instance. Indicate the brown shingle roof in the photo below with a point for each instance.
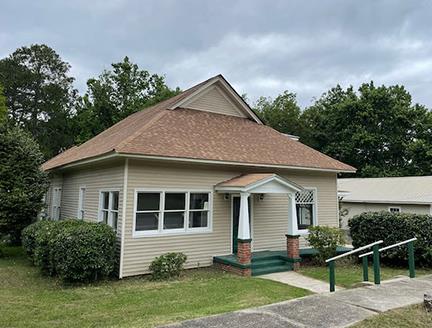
(193, 134)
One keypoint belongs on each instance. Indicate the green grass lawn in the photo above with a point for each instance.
(348, 275)
(29, 299)
(407, 317)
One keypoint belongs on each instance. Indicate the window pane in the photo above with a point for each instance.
(304, 215)
(115, 200)
(173, 220)
(199, 201)
(175, 201)
(105, 200)
(105, 217)
(146, 221)
(198, 219)
(114, 216)
(148, 201)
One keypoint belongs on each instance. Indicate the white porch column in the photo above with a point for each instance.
(292, 216)
(243, 228)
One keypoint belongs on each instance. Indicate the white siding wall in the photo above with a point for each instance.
(358, 208)
(270, 217)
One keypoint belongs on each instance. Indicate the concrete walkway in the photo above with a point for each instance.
(298, 280)
(340, 309)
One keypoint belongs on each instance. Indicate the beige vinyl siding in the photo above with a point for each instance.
(270, 216)
(94, 179)
(216, 101)
(270, 220)
(358, 208)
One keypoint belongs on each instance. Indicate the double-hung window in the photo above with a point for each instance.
(306, 208)
(171, 212)
(109, 208)
(56, 204)
(81, 203)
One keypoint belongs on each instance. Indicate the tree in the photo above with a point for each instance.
(3, 107)
(117, 93)
(282, 113)
(377, 130)
(40, 96)
(22, 183)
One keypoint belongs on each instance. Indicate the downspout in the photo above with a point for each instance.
(124, 203)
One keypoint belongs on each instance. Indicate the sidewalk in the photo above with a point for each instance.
(298, 280)
(340, 309)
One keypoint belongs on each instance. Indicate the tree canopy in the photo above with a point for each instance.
(282, 113)
(40, 95)
(378, 130)
(116, 94)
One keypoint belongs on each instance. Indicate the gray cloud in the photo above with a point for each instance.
(261, 47)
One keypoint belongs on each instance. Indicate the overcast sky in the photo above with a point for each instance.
(261, 47)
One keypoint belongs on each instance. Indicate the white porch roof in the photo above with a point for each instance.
(258, 183)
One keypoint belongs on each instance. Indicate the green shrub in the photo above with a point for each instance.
(83, 251)
(325, 240)
(28, 237)
(22, 183)
(393, 228)
(167, 266)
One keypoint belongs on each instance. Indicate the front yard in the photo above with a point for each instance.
(407, 317)
(29, 299)
(349, 275)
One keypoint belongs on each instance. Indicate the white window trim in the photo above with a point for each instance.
(395, 207)
(315, 221)
(56, 203)
(81, 203)
(172, 232)
(110, 202)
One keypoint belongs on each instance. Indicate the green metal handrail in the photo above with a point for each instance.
(331, 263)
(411, 261)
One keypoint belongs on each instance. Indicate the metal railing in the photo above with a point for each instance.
(411, 262)
(375, 251)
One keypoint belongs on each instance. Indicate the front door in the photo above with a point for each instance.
(235, 220)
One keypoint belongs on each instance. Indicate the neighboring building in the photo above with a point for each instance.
(183, 176)
(398, 195)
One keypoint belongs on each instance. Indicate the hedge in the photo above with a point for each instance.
(75, 250)
(393, 228)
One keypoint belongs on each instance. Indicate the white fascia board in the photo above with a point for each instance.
(111, 155)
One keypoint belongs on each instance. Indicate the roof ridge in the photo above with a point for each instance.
(140, 130)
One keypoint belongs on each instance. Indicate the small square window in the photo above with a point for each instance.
(198, 219)
(174, 220)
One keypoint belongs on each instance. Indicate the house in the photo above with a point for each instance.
(201, 174)
(396, 195)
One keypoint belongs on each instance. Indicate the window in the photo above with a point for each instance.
(56, 203)
(109, 208)
(198, 210)
(81, 203)
(394, 209)
(306, 208)
(171, 211)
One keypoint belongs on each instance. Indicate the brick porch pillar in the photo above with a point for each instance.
(293, 250)
(244, 251)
